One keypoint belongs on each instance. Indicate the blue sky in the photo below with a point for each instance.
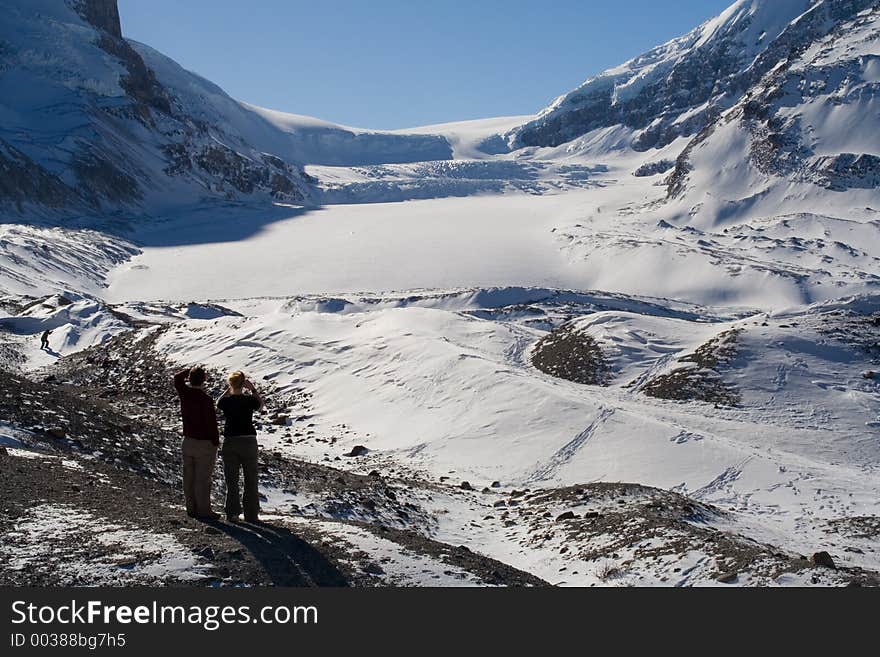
(402, 63)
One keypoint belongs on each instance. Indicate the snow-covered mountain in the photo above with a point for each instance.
(92, 121)
(803, 136)
(670, 277)
(675, 89)
(95, 124)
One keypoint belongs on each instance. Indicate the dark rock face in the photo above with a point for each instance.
(245, 175)
(103, 14)
(848, 171)
(99, 179)
(140, 83)
(22, 180)
(653, 168)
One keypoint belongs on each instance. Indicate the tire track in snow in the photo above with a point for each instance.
(567, 451)
(722, 482)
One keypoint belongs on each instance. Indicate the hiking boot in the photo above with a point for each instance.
(254, 520)
(233, 519)
(211, 516)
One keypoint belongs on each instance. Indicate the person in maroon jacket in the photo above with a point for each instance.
(200, 441)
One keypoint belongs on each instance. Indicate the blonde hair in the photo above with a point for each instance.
(236, 379)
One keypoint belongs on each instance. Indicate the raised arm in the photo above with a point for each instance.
(180, 381)
(253, 389)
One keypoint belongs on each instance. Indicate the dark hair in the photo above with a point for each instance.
(197, 376)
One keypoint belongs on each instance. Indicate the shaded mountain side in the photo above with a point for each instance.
(94, 122)
(90, 127)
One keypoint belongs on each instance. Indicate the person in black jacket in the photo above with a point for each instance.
(238, 404)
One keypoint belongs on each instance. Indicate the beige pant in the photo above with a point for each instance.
(199, 460)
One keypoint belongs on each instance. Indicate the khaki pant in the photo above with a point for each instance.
(240, 454)
(199, 460)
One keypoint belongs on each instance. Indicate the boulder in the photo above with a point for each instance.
(823, 560)
(372, 568)
(357, 450)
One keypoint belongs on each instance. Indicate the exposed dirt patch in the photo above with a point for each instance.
(571, 354)
(699, 379)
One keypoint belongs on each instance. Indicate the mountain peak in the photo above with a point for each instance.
(103, 14)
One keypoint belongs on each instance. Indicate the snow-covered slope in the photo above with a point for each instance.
(439, 389)
(674, 89)
(803, 138)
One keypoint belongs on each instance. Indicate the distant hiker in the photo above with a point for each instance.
(240, 446)
(44, 339)
(200, 441)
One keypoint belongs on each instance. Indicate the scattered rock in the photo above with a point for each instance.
(869, 374)
(727, 578)
(496, 484)
(823, 560)
(57, 432)
(372, 568)
(206, 553)
(568, 515)
(466, 486)
(357, 450)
